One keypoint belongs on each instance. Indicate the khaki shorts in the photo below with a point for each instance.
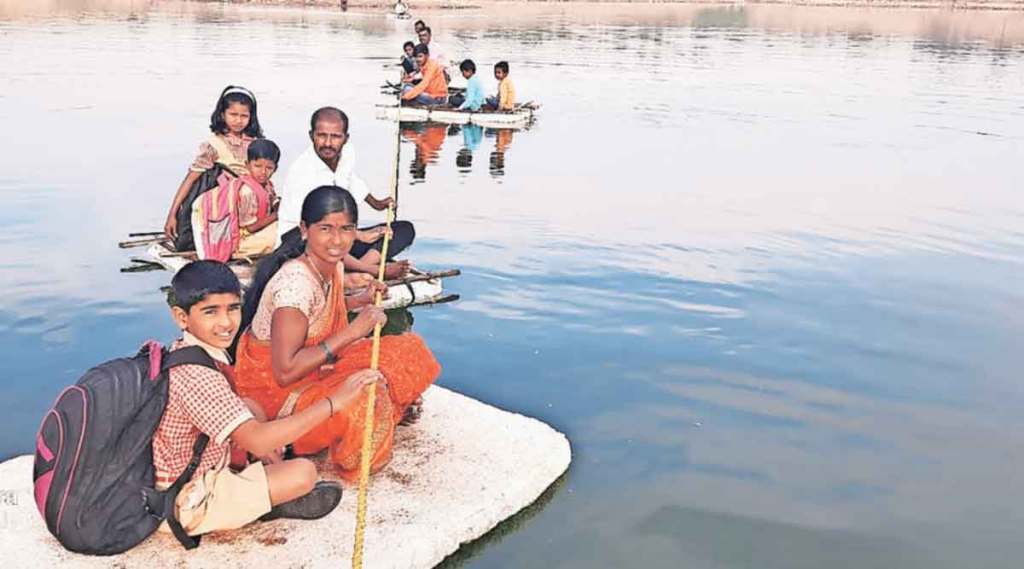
(260, 243)
(223, 500)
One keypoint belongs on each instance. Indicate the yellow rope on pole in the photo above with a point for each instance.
(371, 399)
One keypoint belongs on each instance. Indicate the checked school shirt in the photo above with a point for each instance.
(200, 400)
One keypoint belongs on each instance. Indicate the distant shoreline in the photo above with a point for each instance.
(952, 5)
(996, 22)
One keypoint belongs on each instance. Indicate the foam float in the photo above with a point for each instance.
(463, 468)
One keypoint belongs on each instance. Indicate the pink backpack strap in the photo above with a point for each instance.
(156, 353)
(262, 196)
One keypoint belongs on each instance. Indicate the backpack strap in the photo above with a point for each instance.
(171, 494)
(190, 355)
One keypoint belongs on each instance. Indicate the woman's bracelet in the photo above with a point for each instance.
(331, 356)
(331, 404)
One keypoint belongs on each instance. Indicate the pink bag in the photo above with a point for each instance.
(215, 220)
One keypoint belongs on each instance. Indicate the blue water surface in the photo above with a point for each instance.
(762, 265)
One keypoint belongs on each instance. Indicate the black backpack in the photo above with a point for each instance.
(93, 472)
(206, 182)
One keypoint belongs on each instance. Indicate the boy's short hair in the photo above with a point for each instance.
(408, 44)
(467, 65)
(502, 65)
(420, 48)
(264, 148)
(198, 280)
(426, 29)
(419, 23)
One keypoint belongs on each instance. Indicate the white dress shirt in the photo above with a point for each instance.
(309, 172)
(438, 54)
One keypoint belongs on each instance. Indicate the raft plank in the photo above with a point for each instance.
(414, 290)
(458, 472)
(521, 117)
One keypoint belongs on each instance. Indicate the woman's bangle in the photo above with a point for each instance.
(331, 357)
(331, 404)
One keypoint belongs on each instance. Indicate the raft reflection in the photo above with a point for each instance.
(429, 138)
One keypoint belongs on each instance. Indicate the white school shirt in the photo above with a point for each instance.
(309, 172)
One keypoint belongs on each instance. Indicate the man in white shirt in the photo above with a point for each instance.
(325, 163)
(437, 53)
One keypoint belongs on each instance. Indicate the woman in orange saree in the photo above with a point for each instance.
(298, 345)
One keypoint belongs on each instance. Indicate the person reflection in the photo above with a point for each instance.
(502, 140)
(400, 321)
(471, 136)
(428, 139)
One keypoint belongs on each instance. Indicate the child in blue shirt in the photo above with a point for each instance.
(474, 89)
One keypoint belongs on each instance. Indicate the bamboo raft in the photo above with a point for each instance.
(416, 288)
(520, 117)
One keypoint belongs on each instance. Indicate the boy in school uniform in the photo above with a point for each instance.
(206, 305)
(506, 97)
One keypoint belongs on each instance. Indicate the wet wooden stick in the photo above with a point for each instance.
(140, 242)
(425, 277)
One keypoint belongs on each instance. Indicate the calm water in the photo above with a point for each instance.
(762, 266)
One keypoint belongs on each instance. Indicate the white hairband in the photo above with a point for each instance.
(239, 90)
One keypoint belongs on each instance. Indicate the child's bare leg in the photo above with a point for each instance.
(290, 479)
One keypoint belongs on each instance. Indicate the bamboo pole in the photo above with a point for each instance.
(371, 399)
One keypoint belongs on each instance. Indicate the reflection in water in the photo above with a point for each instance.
(429, 138)
(471, 136)
(502, 141)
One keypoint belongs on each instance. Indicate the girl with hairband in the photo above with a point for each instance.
(234, 125)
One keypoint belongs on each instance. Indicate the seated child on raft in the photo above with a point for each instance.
(410, 69)
(206, 305)
(257, 202)
(505, 100)
(234, 125)
(473, 99)
(238, 218)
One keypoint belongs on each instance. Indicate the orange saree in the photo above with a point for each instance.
(407, 364)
